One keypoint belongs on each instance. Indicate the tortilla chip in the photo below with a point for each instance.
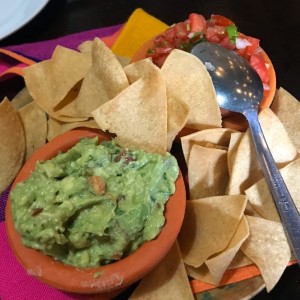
(287, 108)
(260, 196)
(34, 121)
(178, 110)
(85, 47)
(56, 128)
(234, 142)
(207, 172)
(12, 146)
(136, 70)
(218, 137)
(21, 99)
(209, 226)
(178, 114)
(167, 281)
(49, 82)
(215, 267)
(240, 260)
(250, 211)
(133, 115)
(123, 60)
(246, 169)
(268, 248)
(104, 80)
(190, 82)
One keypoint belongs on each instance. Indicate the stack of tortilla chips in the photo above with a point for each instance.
(231, 220)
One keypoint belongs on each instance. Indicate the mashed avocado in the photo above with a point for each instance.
(95, 203)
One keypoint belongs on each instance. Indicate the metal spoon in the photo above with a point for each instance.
(240, 89)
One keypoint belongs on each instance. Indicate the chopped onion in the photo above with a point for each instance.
(242, 43)
(209, 66)
(266, 87)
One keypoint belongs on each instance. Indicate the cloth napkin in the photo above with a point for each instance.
(124, 39)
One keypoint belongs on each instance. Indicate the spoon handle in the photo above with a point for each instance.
(285, 205)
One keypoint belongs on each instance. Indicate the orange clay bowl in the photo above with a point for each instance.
(115, 277)
(233, 120)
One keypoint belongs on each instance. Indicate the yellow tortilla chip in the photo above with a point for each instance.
(234, 142)
(190, 82)
(268, 248)
(136, 70)
(133, 115)
(287, 108)
(34, 121)
(21, 99)
(178, 110)
(207, 172)
(218, 137)
(209, 226)
(240, 260)
(246, 169)
(85, 47)
(260, 196)
(166, 281)
(12, 146)
(50, 82)
(56, 127)
(104, 80)
(215, 267)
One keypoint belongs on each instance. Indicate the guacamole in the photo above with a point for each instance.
(95, 203)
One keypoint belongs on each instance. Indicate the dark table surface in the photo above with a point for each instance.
(275, 23)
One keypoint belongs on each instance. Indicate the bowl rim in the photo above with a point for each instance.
(114, 276)
(235, 121)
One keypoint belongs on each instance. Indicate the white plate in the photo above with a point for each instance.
(16, 13)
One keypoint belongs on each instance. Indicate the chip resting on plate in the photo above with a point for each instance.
(34, 122)
(104, 80)
(261, 199)
(138, 115)
(188, 80)
(207, 172)
(210, 222)
(214, 268)
(56, 127)
(166, 281)
(246, 169)
(177, 109)
(12, 146)
(287, 108)
(55, 83)
(218, 138)
(268, 248)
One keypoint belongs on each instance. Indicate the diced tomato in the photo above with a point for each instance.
(225, 42)
(164, 50)
(197, 22)
(220, 20)
(169, 34)
(214, 30)
(160, 60)
(258, 63)
(181, 30)
(215, 33)
(97, 184)
(250, 50)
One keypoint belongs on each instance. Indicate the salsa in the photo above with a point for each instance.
(217, 29)
(95, 203)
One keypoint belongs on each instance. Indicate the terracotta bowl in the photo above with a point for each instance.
(233, 120)
(116, 276)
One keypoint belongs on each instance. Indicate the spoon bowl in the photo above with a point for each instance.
(237, 84)
(239, 89)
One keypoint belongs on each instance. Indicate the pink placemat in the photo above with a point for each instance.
(15, 282)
